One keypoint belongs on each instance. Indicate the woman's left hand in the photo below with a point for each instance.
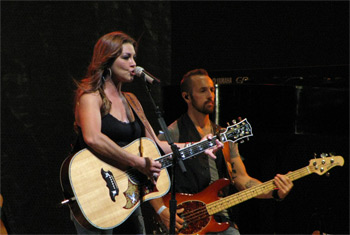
(211, 152)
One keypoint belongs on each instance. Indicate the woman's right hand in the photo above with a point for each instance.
(150, 168)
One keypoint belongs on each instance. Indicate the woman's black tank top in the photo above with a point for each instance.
(121, 133)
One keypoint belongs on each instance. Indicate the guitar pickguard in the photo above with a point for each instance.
(195, 216)
(133, 193)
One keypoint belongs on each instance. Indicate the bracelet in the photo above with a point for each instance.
(276, 196)
(161, 209)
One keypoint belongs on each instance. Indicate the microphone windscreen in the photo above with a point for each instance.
(138, 71)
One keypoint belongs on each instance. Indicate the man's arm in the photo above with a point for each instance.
(173, 131)
(243, 181)
(164, 213)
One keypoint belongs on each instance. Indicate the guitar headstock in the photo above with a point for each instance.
(238, 131)
(324, 164)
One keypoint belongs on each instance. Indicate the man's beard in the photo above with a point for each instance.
(204, 109)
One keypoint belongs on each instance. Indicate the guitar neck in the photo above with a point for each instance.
(233, 133)
(247, 194)
(190, 151)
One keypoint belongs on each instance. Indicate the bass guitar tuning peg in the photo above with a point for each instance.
(324, 154)
(234, 121)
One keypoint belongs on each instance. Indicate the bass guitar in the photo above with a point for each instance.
(200, 207)
(100, 195)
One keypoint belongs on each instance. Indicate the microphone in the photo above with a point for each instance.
(140, 72)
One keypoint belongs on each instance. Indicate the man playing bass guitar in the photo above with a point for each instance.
(198, 91)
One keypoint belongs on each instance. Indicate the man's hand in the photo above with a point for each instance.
(165, 217)
(284, 185)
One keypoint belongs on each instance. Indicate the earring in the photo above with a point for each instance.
(104, 73)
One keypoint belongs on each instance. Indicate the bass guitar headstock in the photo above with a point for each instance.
(323, 164)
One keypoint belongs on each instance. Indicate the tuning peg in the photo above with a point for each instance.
(234, 121)
(315, 155)
(324, 154)
(328, 174)
(241, 142)
(228, 124)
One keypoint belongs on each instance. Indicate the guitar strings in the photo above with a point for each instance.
(246, 194)
(195, 215)
(187, 151)
(202, 212)
(194, 149)
(201, 146)
(269, 185)
(166, 159)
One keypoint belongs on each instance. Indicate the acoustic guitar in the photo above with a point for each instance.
(200, 207)
(100, 195)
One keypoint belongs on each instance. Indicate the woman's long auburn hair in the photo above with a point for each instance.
(106, 51)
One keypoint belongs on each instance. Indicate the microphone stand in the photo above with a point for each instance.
(175, 157)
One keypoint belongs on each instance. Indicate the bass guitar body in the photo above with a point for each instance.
(200, 207)
(102, 195)
(197, 218)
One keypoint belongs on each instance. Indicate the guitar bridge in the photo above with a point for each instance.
(110, 183)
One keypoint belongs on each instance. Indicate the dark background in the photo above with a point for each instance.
(294, 54)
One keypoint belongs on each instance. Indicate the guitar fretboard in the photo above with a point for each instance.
(233, 133)
(188, 152)
(247, 194)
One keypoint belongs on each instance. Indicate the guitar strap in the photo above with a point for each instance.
(136, 106)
